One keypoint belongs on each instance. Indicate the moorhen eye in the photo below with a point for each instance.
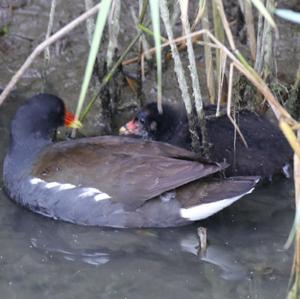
(142, 121)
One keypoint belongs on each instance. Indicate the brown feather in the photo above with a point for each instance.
(129, 170)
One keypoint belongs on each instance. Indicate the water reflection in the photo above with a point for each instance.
(244, 257)
(99, 246)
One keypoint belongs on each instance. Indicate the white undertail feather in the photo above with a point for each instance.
(203, 211)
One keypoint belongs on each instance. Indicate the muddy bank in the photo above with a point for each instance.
(24, 24)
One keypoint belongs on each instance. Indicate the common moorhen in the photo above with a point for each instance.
(110, 180)
(266, 155)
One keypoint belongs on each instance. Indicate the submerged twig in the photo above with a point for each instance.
(202, 235)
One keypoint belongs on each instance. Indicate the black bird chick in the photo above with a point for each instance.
(267, 154)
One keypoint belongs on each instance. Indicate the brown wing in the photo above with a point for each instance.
(129, 170)
(212, 190)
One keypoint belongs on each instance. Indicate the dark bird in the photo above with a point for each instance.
(267, 154)
(110, 180)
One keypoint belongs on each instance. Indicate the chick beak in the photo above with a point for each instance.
(71, 121)
(123, 130)
(130, 128)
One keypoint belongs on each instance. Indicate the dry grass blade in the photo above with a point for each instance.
(40, 48)
(113, 31)
(250, 28)
(295, 279)
(221, 76)
(290, 136)
(47, 49)
(219, 33)
(177, 61)
(230, 83)
(246, 70)
(193, 72)
(143, 43)
(49, 30)
(154, 5)
(265, 12)
(210, 78)
(200, 13)
(179, 73)
(225, 24)
(90, 22)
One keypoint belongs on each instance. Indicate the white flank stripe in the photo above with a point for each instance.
(66, 187)
(52, 185)
(35, 181)
(91, 190)
(101, 196)
(85, 192)
(286, 170)
(203, 211)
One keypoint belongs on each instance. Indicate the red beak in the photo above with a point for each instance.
(71, 121)
(130, 128)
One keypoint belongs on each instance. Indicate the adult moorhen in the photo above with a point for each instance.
(266, 155)
(111, 180)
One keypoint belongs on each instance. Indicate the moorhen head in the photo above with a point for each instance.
(110, 180)
(171, 126)
(266, 155)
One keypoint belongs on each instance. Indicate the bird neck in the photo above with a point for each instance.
(21, 155)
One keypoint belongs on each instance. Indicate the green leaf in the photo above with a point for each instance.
(289, 15)
(263, 10)
(100, 24)
(294, 229)
(3, 30)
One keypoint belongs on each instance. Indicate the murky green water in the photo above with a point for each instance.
(42, 258)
